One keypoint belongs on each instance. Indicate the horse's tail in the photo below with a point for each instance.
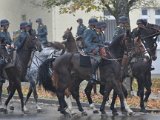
(44, 75)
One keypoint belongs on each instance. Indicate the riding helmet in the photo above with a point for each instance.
(4, 22)
(123, 19)
(92, 21)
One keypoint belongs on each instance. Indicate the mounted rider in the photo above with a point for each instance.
(122, 26)
(81, 27)
(93, 42)
(29, 28)
(143, 30)
(42, 32)
(6, 45)
(22, 36)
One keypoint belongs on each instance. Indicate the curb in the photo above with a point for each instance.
(84, 104)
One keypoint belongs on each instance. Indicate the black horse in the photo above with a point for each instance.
(139, 66)
(15, 74)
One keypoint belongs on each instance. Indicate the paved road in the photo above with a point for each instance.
(50, 112)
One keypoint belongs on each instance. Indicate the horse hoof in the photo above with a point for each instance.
(143, 110)
(115, 113)
(124, 112)
(25, 109)
(5, 111)
(103, 115)
(1, 109)
(95, 111)
(84, 113)
(67, 115)
(11, 107)
(131, 113)
(39, 110)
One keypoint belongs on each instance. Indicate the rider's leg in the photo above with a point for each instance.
(2, 65)
(95, 63)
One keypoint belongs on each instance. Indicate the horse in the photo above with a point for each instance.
(140, 68)
(16, 73)
(51, 50)
(73, 45)
(67, 73)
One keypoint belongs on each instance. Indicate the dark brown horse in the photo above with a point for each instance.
(67, 73)
(16, 73)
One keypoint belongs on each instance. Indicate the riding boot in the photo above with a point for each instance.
(93, 77)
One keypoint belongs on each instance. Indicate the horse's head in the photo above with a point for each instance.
(32, 43)
(68, 34)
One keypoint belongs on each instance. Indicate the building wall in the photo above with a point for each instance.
(63, 21)
(33, 12)
(10, 11)
(14, 9)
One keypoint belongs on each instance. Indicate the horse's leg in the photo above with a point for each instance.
(28, 96)
(114, 110)
(11, 107)
(19, 90)
(148, 84)
(11, 93)
(32, 88)
(36, 98)
(75, 93)
(107, 90)
(88, 91)
(1, 85)
(141, 93)
(62, 103)
(119, 89)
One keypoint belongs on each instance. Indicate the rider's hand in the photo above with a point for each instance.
(8, 46)
(12, 46)
(94, 51)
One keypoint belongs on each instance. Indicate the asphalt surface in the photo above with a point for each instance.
(49, 112)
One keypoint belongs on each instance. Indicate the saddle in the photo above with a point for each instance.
(85, 60)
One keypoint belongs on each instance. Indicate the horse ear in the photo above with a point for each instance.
(70, 29)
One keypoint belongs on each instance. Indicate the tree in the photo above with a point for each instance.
(116, 8)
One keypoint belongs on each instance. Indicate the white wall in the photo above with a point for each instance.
(10, 11)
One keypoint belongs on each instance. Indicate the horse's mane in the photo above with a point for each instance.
(116, 41)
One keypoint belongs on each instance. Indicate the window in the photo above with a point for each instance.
(144, 12)
(157, 21)
(157, 12)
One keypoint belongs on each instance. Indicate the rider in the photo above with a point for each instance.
(29, 29)
(5, 44)
(8, 41)
(42, 31)
(92, 46)
(122, 26)
(81, 27)
(141, 30)
(22, 36)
